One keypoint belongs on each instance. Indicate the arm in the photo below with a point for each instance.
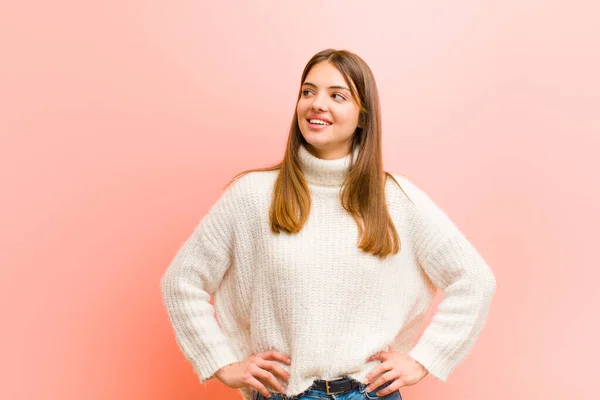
(193, 275)
(454, 266)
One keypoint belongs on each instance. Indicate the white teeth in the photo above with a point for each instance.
(318, 121)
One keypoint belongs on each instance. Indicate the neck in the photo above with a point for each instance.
(322, 172)
(329, 154)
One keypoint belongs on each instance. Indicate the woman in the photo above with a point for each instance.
(324, 266)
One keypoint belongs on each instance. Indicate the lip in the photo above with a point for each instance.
(319, 118)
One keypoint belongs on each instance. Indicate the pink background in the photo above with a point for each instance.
(121, 121)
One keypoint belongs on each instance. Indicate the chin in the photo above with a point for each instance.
(316, 142)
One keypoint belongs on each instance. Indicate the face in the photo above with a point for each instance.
(327, 113)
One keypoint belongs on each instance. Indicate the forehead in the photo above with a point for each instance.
(324, 73)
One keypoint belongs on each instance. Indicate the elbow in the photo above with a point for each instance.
(486, 283)
(480, 282)
(167, 284)
(492, 284)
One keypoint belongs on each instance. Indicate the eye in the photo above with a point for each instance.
(305, 92)
(337, 94)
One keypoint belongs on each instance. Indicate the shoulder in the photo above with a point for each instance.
(404, 187)
(419, 204)
(246, 190)
(253, 182)
(241, 197)
(406, 192)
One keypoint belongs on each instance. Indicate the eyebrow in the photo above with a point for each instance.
(330, 87)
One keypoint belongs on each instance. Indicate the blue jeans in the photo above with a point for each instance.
(355, 394)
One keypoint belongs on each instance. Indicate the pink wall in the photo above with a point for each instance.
(121, 121)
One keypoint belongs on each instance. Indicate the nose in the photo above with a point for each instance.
(318, 104)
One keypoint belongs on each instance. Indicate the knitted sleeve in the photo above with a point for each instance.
(454, 266)
(193, 275)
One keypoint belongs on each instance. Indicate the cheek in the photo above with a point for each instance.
(301, 108)
(349, 117)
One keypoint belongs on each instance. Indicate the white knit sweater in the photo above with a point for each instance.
(315, 296)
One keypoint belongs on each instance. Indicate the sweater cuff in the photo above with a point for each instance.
(212, 361)
(434, 359)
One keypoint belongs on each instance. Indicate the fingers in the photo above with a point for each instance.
(274, 367)
(378, 370)
(254, 383)
(260, 367)
(275, 355)
(393, 387)
(383, 379)
(266, 376)
(381, 355)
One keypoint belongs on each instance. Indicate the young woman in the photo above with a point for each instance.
(324, 266)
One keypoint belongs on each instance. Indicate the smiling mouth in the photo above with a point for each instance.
(319, 122)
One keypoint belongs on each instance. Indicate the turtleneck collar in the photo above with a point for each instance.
(320, 172)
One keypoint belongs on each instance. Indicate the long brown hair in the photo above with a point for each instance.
(363, 190)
